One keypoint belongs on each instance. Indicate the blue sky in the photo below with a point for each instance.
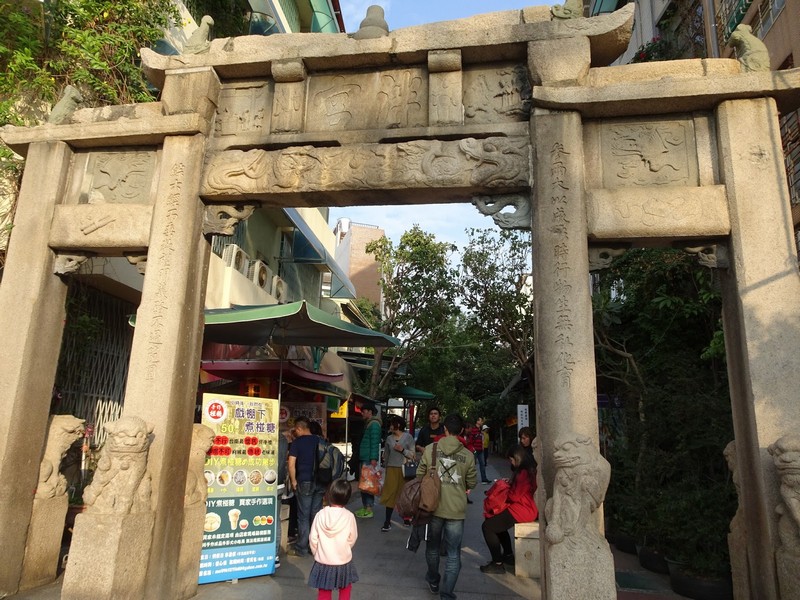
(446, 221)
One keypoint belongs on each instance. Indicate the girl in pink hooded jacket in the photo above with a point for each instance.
(332, 537)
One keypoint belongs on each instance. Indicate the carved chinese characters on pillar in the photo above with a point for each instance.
(497, 94)
(488, 163)
(386, 100)
(287, 110)
(164, 250)
(564, 324)
(117, 177)
(649, 154)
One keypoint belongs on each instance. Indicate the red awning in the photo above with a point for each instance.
(243, 369)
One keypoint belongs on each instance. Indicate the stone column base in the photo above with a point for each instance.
(191, 549)
(108, 557)
(788, 575)
(40, 565)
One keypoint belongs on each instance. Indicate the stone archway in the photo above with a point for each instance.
(509, 109)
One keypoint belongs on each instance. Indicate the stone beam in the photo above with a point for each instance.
(484, 38)
(149, 128)
(106, 229)
(415, 172)
(657, 213)
(652, 89)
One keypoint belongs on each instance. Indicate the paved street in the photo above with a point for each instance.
(390, 572)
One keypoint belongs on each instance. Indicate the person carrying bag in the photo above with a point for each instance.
(398, 451)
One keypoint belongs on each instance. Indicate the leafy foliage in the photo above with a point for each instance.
(419, 291)
(657, 319)
(495, 281)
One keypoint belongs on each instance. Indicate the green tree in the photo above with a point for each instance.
(496, 288)
(419, 290)
(657, 320)
(466, 371)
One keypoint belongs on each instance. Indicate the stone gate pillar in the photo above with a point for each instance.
(566, 392)
(32, 316)
(761, 289)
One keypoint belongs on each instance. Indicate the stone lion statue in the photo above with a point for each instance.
(582, 476)
(196, 486)
(786, 456)
(62, 432)
(121, 483)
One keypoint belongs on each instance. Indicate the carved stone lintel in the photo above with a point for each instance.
(493, 206)
(221, 219)
(494, 162)
(67, 264)
(139, 261)
(601, 258)
(713, 257)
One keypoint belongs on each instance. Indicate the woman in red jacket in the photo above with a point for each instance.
(519, 508)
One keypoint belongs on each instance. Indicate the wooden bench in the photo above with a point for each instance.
(526, 550)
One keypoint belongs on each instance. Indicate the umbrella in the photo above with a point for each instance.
(297, 323)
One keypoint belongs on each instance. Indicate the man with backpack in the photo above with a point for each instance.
(455, 466)
(302, 475)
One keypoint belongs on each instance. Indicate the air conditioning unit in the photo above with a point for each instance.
(260, 274)
(279, 289)
(236, 258)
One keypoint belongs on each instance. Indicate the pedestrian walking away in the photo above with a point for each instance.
(475, 445)
(333, 535)
(309, 493)
(369, 453)
(506, 505)
(456, 468)
(398, 449)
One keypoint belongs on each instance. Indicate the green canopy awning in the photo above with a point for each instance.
(297, 323)
(411, 393)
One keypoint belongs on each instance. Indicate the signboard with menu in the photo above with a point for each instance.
(242, 510)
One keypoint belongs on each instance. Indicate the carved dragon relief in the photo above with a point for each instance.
(221, 219)
(713, 257)
(493, 206)
(489, 163)
(67, 264)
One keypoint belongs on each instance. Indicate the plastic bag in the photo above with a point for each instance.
(370, 480)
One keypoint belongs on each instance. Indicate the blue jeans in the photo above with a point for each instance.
(367, 500)
(309, 503)
(447, 533)
(481, 459)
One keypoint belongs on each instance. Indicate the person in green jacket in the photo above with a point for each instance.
(457, 473)
(369, 453)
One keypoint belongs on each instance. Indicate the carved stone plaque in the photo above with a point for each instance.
(389, 99)
(113, 177)
(649, 153)
(244, 109)
(498, 94)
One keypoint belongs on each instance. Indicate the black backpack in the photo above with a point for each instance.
(330, 463)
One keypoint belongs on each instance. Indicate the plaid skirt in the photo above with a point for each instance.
(332, 577)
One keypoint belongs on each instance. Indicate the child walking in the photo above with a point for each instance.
(332, 537)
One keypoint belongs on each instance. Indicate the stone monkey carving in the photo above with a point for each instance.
(121, 483)
(571, 9)
(751, 52)
(196, 486)
(66, 105)
(786, 456)
(200, 40)
(62, 432)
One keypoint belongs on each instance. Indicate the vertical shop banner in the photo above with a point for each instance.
(523, 418)
(242, 509)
